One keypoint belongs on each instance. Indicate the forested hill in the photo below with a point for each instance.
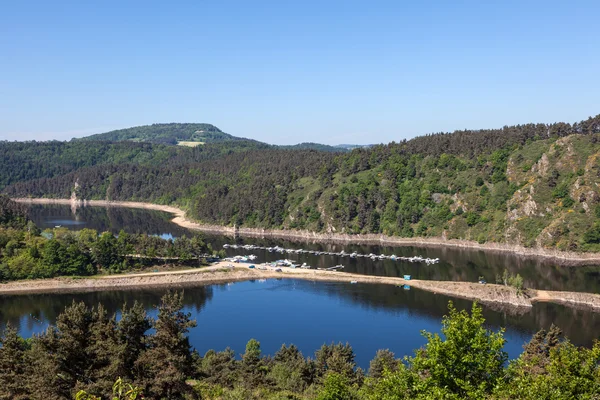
(315, 146)
(535, 185)
(166, 134)
(27, 161)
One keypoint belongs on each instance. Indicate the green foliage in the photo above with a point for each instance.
(90, 356)
(568, 202)
(509, 279)
(552, 368)
(384, 360)
(167, 362)
(121, 391)
(59, 252)
(13, 365)
(335, 387)
(467, 361)
(472, 218)
(561, 191)
(592, 235)
(12, 215)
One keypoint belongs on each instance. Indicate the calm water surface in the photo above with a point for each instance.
(309, 314)
(455, 264)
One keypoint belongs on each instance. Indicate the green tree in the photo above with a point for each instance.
(13, 365)
(253, 369)
(567, 373)
(467, 359)
(338, 358)
(336, 387)
(131, 329)
(105, 252)
(384, 360)
(164, 367)
(289, 370)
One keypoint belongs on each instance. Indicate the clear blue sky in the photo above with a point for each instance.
(292, 71)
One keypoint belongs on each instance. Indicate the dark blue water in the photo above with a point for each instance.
(308, 314)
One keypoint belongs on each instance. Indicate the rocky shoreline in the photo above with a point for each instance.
(561, 257)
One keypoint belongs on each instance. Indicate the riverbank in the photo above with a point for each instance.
(492, 295)
(561, 257)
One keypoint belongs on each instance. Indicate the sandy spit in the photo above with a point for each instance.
(562, 257)
(220, 272)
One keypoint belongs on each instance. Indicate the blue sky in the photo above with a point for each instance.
(293, 71)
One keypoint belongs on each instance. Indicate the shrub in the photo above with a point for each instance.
(472, 218)
(593, 234)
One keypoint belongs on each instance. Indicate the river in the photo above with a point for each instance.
(309, 314)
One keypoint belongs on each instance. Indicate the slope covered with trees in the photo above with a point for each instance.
(87, 350)
(535, 185)
(26, 161)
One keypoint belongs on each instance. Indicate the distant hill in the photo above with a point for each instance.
(315, 146)
(188, 134)
(351, 147)
(172, 133)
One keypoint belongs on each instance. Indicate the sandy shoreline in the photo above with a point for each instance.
(493, 295)
(562, 257)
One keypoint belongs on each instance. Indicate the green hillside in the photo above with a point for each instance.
(534, 185)
(166, 133)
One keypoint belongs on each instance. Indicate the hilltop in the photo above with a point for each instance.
(194, 134)
(172, 133)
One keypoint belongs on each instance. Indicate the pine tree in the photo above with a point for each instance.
(253, 369)
(12, 365)
(103, 353)
(131, 329)
(164, 367)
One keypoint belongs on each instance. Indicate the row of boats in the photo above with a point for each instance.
(278, 263)
(342, 253)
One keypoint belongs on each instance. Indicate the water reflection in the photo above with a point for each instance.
(31, 313)
(456, 264)
(102, 219)
(307, 314)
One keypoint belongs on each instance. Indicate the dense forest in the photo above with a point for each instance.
(91, 355)
(27, 253)
(25, 161)
(535, 185)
